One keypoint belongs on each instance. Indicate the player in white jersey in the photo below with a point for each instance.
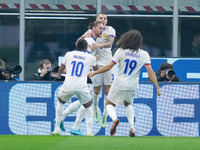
(130, 58)
(77, 65)
(97, 29)
(103, 45)
(95, 33)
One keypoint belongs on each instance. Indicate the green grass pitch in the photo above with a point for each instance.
(23, 142)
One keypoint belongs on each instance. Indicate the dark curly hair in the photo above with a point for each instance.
(130, 40)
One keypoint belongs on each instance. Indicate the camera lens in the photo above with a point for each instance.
(170, 73)
(17, 69)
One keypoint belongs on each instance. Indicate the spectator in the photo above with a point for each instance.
(166, 74)
(196, 44)
(2, 65)
(6, 72)
(39, 49)
(192, 49)
(45, 72)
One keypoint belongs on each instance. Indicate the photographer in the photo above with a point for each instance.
(9, 72)
(47, 73)
(166, 74)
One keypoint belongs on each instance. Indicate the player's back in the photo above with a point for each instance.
(130, 64)
(78, 64)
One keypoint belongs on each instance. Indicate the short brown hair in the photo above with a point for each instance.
(44, 61)
(101, 13)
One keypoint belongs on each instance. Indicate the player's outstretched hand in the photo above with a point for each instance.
(159, 92)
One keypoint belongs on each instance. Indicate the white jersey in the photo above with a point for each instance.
(78, 64)
(130, 64)
(90, 41)
(105, 54)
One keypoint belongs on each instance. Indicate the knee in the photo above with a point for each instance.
(109, 103)
(88, 104)
(97, 90)
(126, 103)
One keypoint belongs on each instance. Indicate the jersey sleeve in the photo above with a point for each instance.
(147, 59)
(89, 30)
(64, 62)
(112, 32)
(117, 55)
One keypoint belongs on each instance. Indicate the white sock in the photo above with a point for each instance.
(130, 116)
(89, 119)
(111, 112)
(80, 115)
(59, 111)
(104, 110)
(70, 109)
(95, 101)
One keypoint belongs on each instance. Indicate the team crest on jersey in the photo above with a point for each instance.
(105, 36)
